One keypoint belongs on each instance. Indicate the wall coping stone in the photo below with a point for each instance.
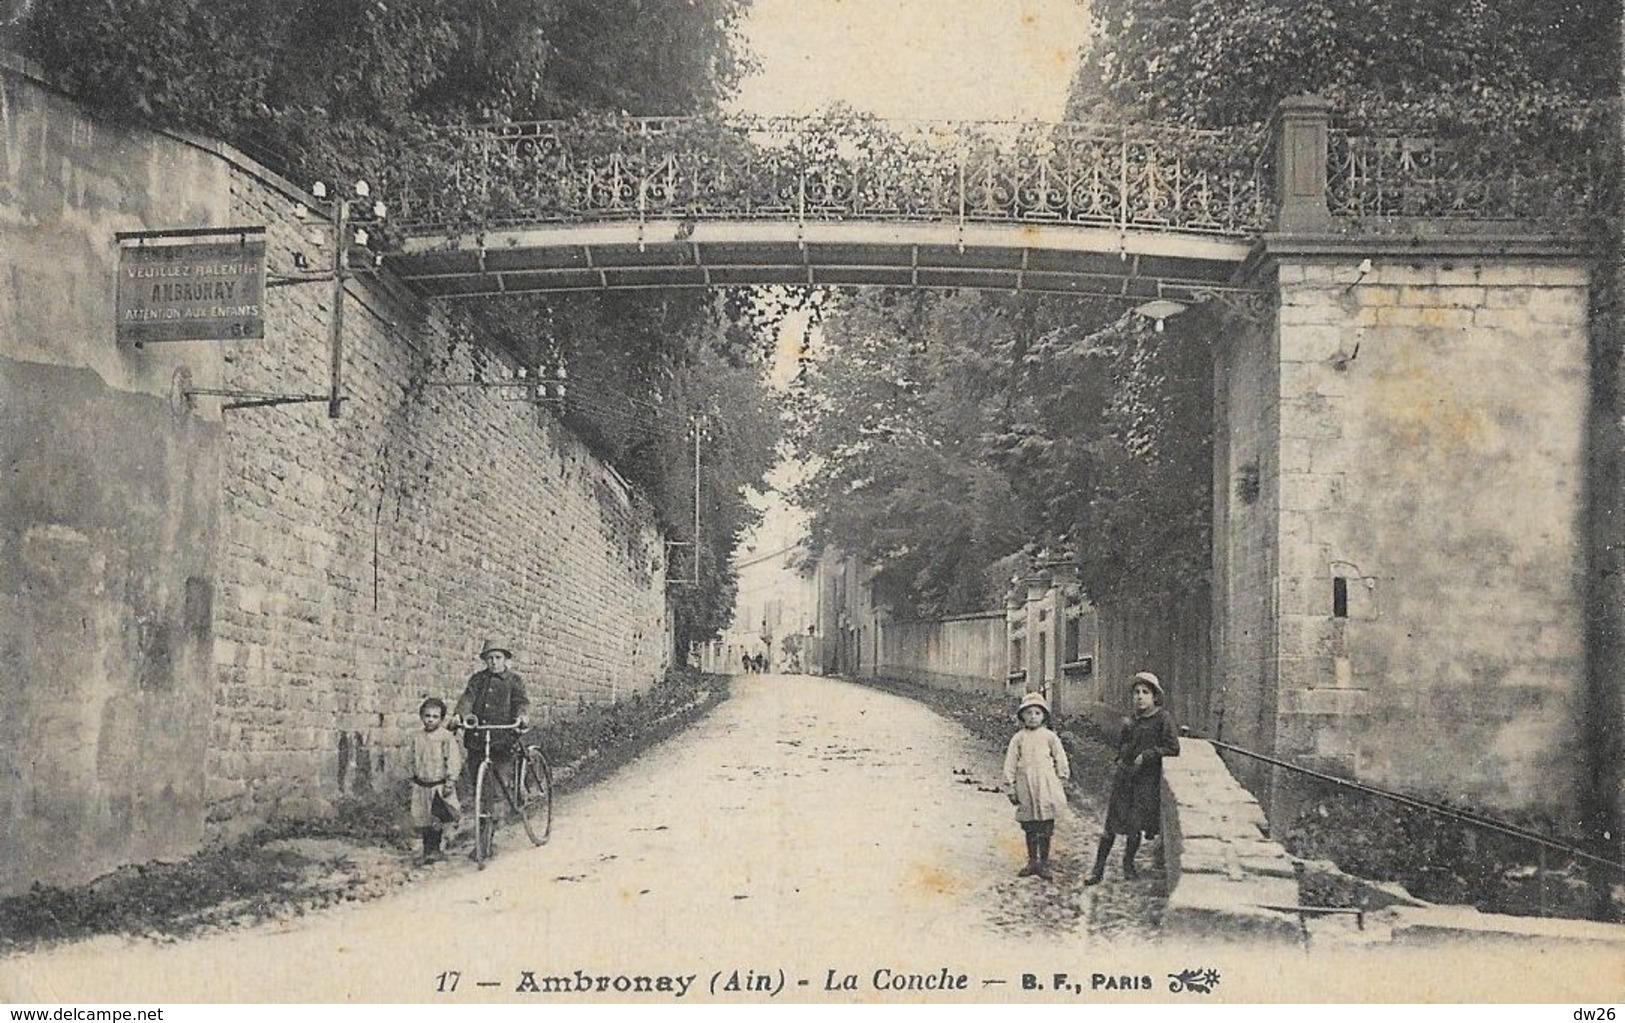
(1225, 874)
(1499, 244)
(1231, 882)
(972, 616)
(1434, 924)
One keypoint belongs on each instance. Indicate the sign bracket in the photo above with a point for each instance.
(283, 280)
(251, 399)
(142, 237)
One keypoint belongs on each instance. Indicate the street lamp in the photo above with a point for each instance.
(1160, 309)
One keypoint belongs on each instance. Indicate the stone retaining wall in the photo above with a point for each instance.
(109, 509)
(965, 653)
(1228, 881)
(1399, 509)
(208, 619)
(1224, 873)
(365, 559)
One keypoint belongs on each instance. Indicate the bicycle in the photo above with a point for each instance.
(528, 790)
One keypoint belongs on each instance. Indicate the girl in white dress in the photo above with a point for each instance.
(1034, 767)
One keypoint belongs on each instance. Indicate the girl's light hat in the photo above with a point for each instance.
(1034, 700)
(1148, 679)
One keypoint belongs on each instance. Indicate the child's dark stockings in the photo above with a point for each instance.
(1030, 831)
(1045, 832)
(1103, 849)
(431, 842)
(1038, 834)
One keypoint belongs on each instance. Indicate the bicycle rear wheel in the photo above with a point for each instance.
(535, 794)
(484, 815)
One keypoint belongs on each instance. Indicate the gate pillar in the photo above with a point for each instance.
(1299, 137)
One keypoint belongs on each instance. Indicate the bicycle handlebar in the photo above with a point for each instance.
(476, 727)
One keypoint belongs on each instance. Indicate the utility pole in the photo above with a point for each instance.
(341, 271)
(694, 579)
(698, 420)
(349, 228)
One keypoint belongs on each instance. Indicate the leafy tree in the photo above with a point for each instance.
(1149, 521)
(950, 433)
(326, 84)
(739, 443)
(1219, 62)
(337, 88)
(892, 481)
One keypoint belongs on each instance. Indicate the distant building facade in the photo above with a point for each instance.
(776, 613)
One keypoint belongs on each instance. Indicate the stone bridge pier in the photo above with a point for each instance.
(1400, 502)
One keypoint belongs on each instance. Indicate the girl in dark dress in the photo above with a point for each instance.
(1135, 808)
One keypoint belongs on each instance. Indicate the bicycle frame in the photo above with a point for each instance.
(527, 760)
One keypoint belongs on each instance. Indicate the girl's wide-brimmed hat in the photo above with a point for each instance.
(1147, 679)
(491, 646)
(1034, 700)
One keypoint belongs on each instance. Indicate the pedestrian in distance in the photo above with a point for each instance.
(1034, 767)
(436, 762)
(1135, 807)
(495, 695)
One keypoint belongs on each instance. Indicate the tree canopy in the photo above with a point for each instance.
(332, 89)
(330, 73)
(953, 435)
(1221, 62)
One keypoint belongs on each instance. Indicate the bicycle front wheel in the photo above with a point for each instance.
(484, 813)
(536, 795)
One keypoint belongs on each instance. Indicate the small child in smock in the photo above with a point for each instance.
(437, 758)
(1034, 767)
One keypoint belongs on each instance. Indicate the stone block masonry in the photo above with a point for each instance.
(364, 559)
(1248, 447)
(1228, 881)
(108, 510)
(1461, 442)
(1425, 614)
(964, 653)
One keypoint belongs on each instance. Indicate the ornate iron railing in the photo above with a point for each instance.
(1397, 176)
(1137, 177)
(1129, 177)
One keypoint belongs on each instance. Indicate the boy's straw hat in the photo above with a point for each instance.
(1034, 700)
(492, 646)
(1148, 679)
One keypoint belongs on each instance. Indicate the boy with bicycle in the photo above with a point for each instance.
(494, 695)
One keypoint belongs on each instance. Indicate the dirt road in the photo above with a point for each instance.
(806, 826)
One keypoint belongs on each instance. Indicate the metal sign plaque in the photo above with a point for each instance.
(191, 291)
